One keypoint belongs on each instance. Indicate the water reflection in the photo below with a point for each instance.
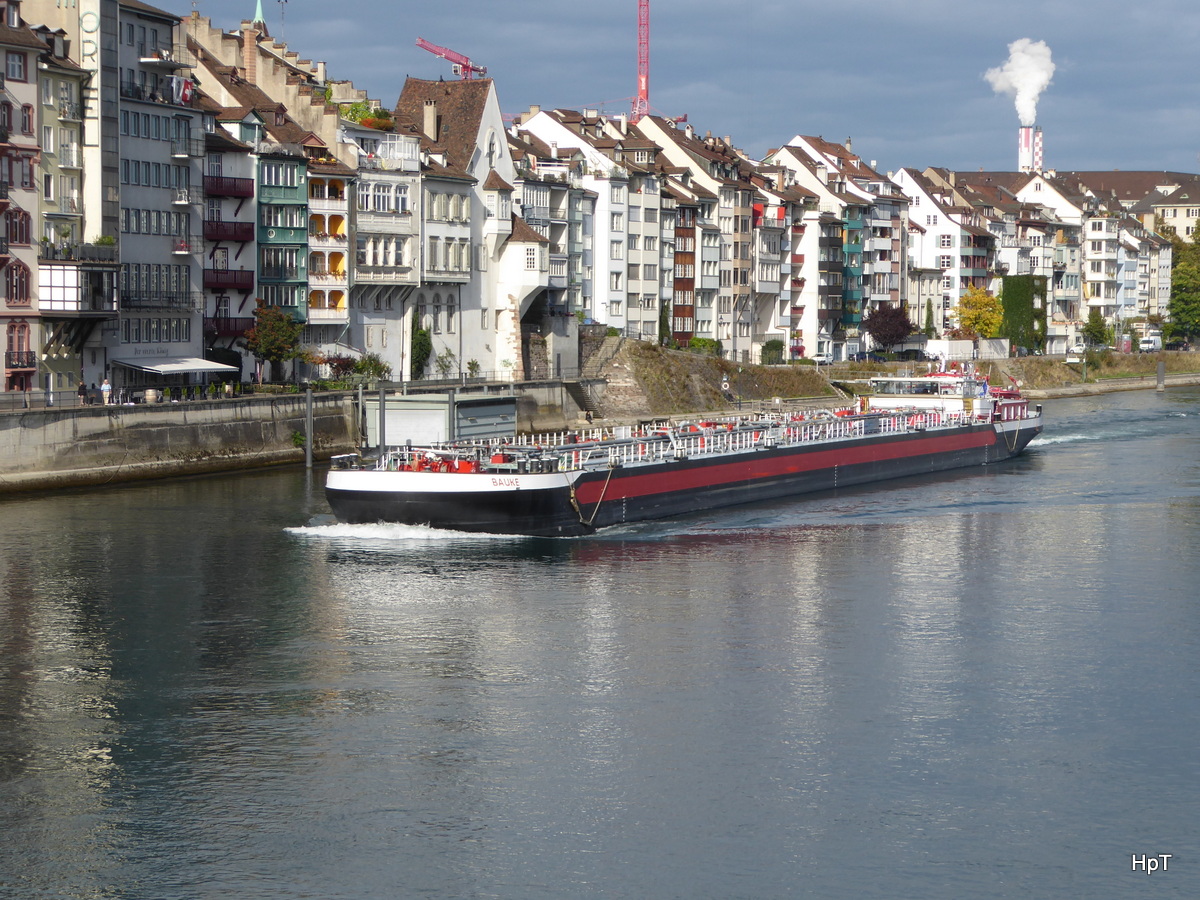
(201, 695)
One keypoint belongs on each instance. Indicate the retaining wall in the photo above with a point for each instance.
(45, 448)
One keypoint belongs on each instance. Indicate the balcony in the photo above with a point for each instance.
(226, 326)
(20, 359)
(185, 247)
(186, 197)
(228, 231)
(70, 112)
(182, 148)
(224, 186)
(3, 196)
(328, 315)
(133, 91)
(166, 59)
(229, 279)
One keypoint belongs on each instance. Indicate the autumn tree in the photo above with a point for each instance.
(275, 336)
(887, 325)
(979, 313)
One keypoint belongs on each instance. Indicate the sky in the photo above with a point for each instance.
(904, 80)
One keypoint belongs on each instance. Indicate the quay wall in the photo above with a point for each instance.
(91, 445)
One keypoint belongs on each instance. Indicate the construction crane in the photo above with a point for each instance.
(641, 103)
(462, 64)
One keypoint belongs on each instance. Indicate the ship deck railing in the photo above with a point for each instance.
(594, 449)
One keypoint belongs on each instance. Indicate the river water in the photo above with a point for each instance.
(983, 684)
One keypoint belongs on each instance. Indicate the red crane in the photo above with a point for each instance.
(462, 64)
(641, 103)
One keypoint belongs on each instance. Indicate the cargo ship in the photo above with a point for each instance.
(574, 483)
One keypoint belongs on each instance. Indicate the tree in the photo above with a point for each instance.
(1095, 332)
(275, 336)
(422, 348)
(979, 312)
(930, 330)
(1184, 305)
(887, 325)
(373, 366)
(772, 352)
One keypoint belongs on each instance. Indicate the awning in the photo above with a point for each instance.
(174, 365)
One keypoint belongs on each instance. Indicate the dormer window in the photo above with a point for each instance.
(13, 15)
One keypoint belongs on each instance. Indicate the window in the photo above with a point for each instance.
(931, 220)
(275, 216)
(531, 259)
(382, 197)
(945, 262)
(401, 198)
(15, 68)
(276, 174)
(19, 230)
(26, 119)
(17, 277)
(947, 240)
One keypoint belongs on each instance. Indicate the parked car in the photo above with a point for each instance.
(1075, 354)
(865, 356)
(822, 359)
(1177, 345)
(914, 356)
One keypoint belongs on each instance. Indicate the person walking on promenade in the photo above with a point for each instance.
(106, 390)
(83, 393)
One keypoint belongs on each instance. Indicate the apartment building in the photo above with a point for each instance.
(76, 277)
(21, 186)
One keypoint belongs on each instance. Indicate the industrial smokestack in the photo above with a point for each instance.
(1025, 148)
(1029, 149)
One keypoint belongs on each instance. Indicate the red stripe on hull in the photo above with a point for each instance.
(761, 465)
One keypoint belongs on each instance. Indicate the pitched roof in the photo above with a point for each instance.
(460, 107)
(21, 37)
(522, 233)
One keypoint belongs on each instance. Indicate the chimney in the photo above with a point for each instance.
(430, 126)
(533, 110)
(1037, 149)
(1025, 149)
(250, 52)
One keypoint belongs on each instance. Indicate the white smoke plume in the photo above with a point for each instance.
(1026, 74)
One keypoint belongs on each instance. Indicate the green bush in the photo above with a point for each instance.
(772, 352)
(705, 345)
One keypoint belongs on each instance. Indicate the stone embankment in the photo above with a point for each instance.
(51, 448)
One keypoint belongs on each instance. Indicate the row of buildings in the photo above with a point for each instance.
(161, 178)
